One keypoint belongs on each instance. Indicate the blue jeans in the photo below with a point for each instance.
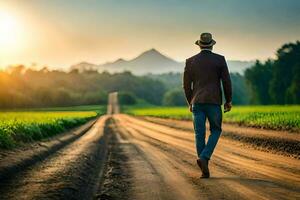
(213, 113)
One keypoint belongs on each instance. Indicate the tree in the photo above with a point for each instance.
(286, 74)
(174, 97)
(240, 95)
(293, 91)
(258, 78)
(126, 98)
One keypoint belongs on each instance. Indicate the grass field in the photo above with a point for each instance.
(270, 117)
(18, 127)
(96, 108)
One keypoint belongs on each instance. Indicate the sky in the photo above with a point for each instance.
(59, 33)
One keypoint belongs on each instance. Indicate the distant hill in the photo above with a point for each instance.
(151, 61)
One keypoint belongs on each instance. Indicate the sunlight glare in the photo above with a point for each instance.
(9, 32)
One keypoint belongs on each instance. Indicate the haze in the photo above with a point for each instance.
(60, 33)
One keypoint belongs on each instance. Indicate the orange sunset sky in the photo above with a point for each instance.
(61, 33)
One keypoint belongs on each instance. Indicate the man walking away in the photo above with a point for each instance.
(203, 74)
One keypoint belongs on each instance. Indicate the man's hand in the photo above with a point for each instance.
(190, 107)
(227, 107)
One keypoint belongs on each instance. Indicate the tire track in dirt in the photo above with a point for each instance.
(278, 142)
(70, 173)
(191, 171)
(249, 170)
(153, 175)
(129, 174)
(230, 147)
(13, 161)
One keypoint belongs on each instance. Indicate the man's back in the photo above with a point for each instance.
(202, 78)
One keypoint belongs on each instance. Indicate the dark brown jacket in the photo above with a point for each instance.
(202, 78)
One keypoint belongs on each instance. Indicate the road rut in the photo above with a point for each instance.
(70, 173)
(124, 157)
(162, 162)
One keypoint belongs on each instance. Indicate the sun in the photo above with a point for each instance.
(9, 32)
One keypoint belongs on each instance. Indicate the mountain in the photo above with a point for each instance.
(151, 61)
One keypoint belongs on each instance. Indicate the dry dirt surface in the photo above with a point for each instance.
(124, 157)
(70, 172)
(278, 142)
(155, 161)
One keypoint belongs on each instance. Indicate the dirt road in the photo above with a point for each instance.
(161, 163)
(124, 157)
(72, 171)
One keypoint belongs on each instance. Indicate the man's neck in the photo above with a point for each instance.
(206, 49)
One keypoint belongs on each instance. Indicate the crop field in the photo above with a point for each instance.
(269, 117)
(26, 126)
(96, 108)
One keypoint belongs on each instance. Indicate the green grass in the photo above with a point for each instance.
(25, 126)
(270, 117)
(157, 111)
(96, 108)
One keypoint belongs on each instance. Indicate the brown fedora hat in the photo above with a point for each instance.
(205, 40)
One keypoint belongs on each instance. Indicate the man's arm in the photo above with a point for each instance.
(187, 83)
(226, 82)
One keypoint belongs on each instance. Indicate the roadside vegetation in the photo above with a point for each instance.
(27, 126)
(269, 117)
(100, 109)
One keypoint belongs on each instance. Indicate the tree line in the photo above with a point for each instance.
(272, 82)
(276, 81)
(174, 95)
(22, 87)
(25, 88)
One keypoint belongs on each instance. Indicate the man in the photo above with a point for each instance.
(202, 79)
